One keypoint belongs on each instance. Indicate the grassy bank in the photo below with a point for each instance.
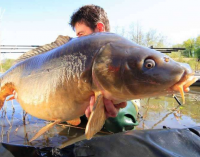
(177, 56)
(191, 61)
(6, 64)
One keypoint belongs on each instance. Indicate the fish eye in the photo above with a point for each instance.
(149, 63)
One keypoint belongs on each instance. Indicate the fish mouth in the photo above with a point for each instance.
(183, 84)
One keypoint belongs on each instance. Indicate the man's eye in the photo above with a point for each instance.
(81, 34)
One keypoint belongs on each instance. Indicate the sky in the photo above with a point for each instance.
(39, 22)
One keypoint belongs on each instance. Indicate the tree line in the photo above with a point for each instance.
(190, 55)
(155, 39)
(141, 37)
(192, 47)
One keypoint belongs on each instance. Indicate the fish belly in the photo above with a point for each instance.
(57, 107)
(50, 99)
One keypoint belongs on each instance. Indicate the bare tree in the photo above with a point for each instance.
(136, 34)
(150, 38)
(120, 30)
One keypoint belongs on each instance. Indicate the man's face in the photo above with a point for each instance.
(81, 29)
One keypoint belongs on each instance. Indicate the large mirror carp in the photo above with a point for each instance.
(56, 85)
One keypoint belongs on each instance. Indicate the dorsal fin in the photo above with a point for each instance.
(42, 49)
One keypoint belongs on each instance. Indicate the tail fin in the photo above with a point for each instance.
(5, 91)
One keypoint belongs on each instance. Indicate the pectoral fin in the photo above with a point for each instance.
(74, 121)
(44, 129)
(97, 117)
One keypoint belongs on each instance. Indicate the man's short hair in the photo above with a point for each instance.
(90, 15)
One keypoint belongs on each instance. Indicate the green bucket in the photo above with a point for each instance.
(126, 118)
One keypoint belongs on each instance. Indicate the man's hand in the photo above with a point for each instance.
(111, 109)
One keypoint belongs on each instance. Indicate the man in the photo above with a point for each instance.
(85, 21)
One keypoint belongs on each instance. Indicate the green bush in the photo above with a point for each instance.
(6, 64)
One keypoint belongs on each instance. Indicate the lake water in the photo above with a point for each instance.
(155, 113)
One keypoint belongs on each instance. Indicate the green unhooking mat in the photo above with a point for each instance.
(143, 143)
